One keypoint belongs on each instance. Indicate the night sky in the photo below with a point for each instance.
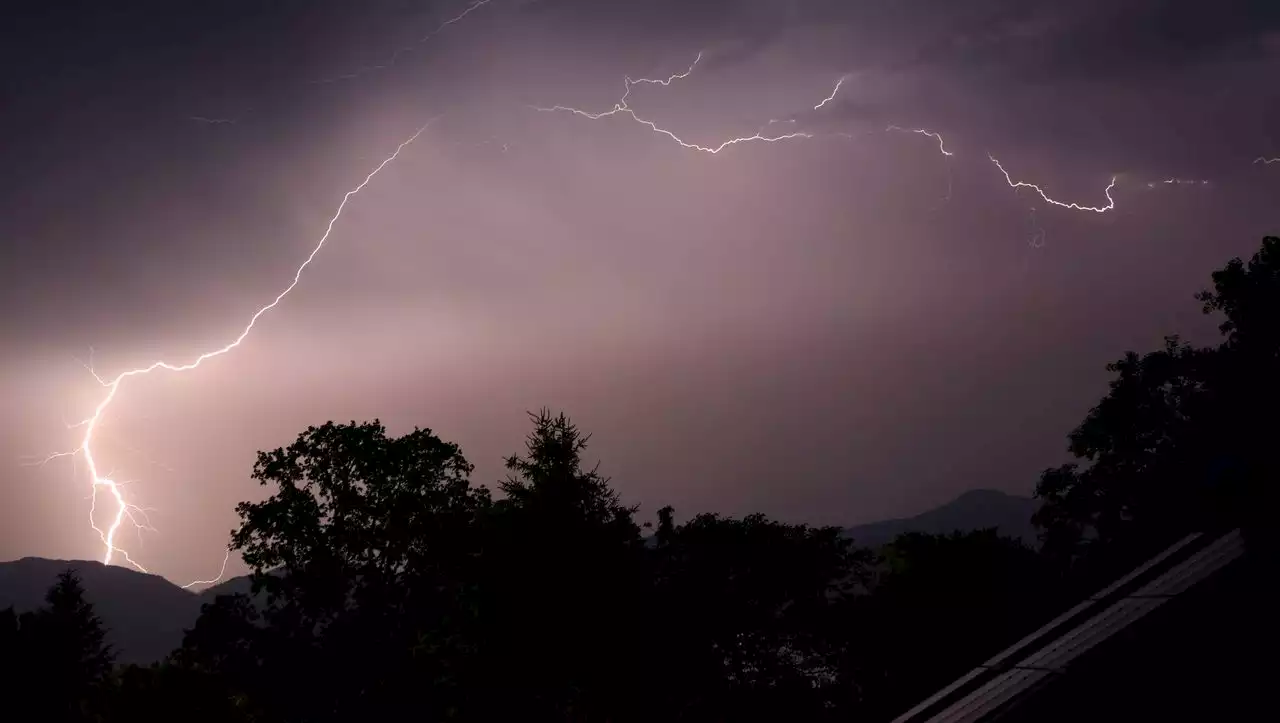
(833, 329)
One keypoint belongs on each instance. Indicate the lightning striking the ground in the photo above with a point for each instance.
(104, 483)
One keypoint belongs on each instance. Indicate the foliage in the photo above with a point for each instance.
(745, 611)
(396, 585)
(1180, 442)
(941, 605)
(57, 654)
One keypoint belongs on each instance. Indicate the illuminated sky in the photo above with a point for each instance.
(833, 329)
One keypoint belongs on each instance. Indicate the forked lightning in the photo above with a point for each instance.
(101, 482)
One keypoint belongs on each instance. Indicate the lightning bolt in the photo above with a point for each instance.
(834, 91)
(622, 107)
(942, 148)
(924, 132)
(217, 578)
(475, 5)
(1111, 203)
(1178, 182)
(124, 510)
(1266, 161)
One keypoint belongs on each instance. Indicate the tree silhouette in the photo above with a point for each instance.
(394, 585)
(941, 605)
(745, 611)
(221, 653)
(1247, 391)
(12, 664)
(364, 551)
(1182, 439)
(164, 692)
(64, 651)
(561, 593)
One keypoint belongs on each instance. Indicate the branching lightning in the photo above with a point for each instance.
(622, 107)
(125, 510)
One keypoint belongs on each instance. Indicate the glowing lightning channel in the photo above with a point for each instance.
(1266, 161)
(622, 107)
(834, 91)
(125, 510)
(475, 5)
(217, 578)
(1179, 182)
(1111, 203)
(212, 121)
(924, 132)
(942, 148)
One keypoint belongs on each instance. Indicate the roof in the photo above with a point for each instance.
(1046, 654)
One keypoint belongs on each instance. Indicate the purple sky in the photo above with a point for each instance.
(833, 329)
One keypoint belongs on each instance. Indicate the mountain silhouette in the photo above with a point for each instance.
(974, 510)
(145, 615)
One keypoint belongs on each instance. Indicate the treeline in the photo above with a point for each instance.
(387, 585)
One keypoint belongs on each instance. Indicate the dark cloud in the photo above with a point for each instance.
(1048, 40)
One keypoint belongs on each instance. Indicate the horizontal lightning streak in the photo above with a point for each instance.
(125, 510)
(924, 132)
(1266, 161)
(1178, 182)
(1111, 203)
(622, 107)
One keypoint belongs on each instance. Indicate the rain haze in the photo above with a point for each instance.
(833, 321)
